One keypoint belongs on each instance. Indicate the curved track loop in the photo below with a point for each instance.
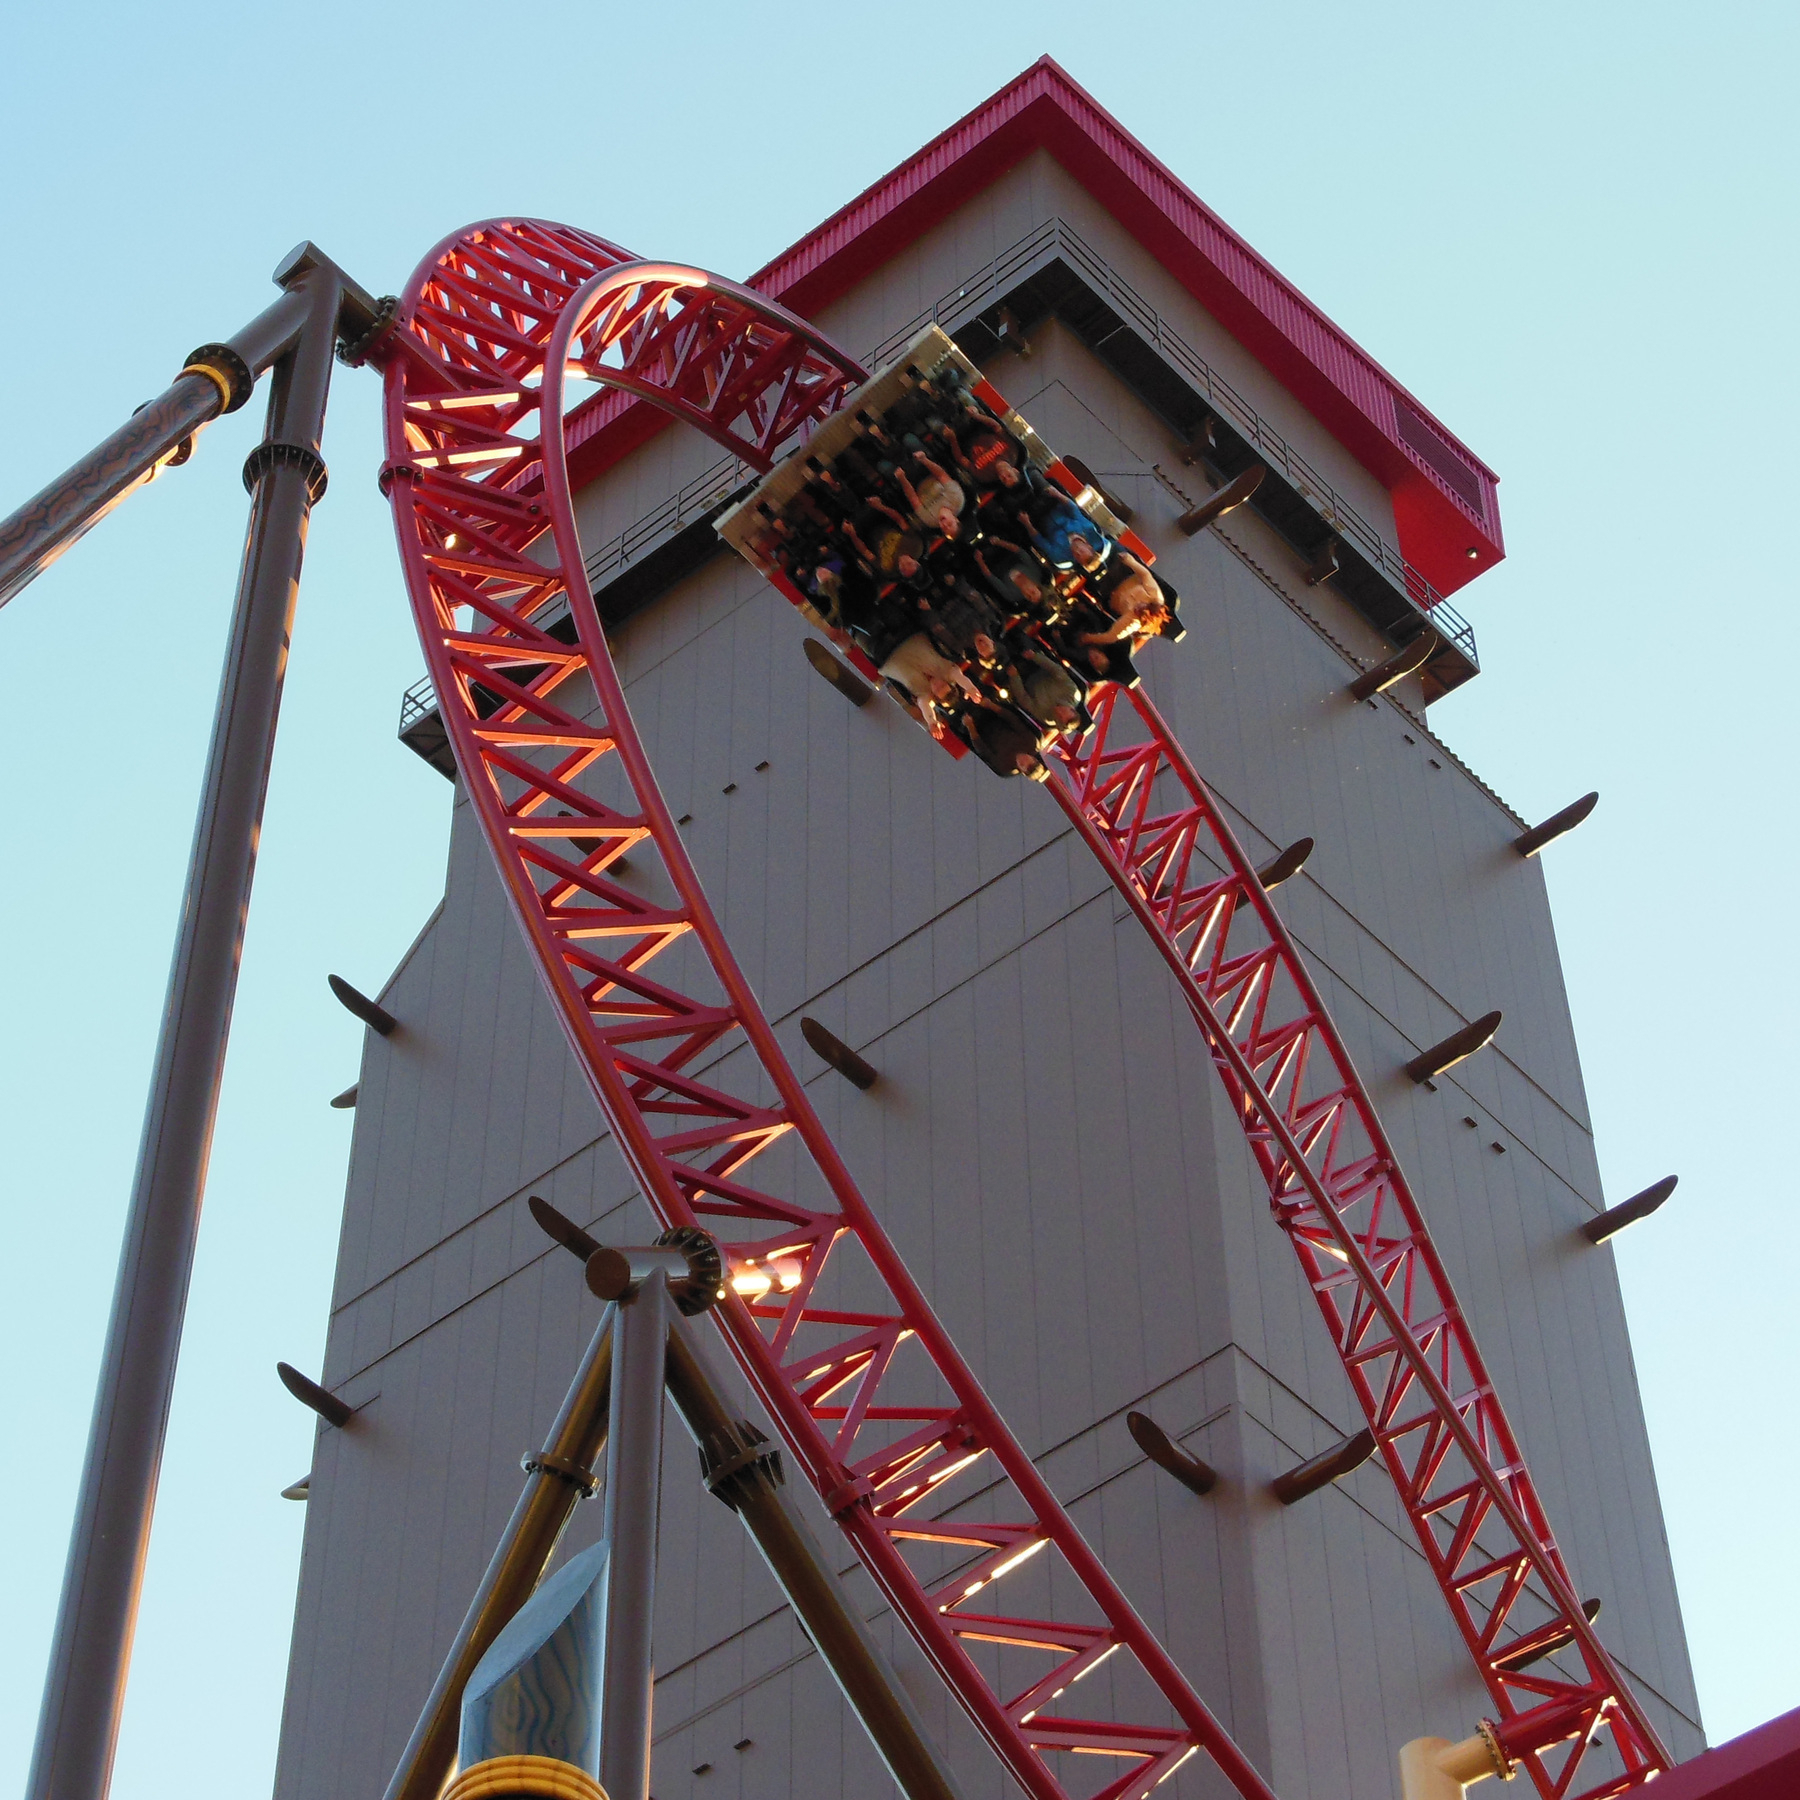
(705, 349)
(505, 307)
(1337, 1190)
(940, 1502)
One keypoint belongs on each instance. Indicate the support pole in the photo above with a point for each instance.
(1435, 1769)
(744, 1471)
(633, 1496)
(48, 523)
(216, 379)
(91, 1651)
(837, 1629)
(558, 1476)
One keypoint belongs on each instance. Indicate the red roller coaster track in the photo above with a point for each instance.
(868, 1393)
(1337, 1189)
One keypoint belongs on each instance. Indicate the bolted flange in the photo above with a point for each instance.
(223, 365)
(267, 456)
(734, 1461)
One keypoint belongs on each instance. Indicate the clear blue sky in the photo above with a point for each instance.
(1569, 229)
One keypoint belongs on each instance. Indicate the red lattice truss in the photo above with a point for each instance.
(1336, 1188)
(941, 1503)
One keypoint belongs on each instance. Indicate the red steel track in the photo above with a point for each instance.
(1337, 1189)
(871, 1399)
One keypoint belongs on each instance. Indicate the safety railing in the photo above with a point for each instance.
(418, 702)
(1056, 238)
(708, 489)
(1052, 240)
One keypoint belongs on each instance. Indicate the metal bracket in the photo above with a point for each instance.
(222, 364)
(265, 457)
(584, 1481)
(354, 351)
(730, 1460)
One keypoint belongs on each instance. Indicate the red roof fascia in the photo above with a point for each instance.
(1044, 109)
(1763, 1764)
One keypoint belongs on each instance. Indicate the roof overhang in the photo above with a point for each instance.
(1446, 504)
(1763, 1764)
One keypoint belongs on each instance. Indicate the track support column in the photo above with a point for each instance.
(633, 1499)
(90, 1655)
(556, 1479)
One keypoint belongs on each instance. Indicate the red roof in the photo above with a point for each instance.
(1445, 502)
(1763, 1764)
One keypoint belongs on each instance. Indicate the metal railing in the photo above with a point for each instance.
(971, 294)
(718, 481)
(418, 702)
(695, 501)
(1053, 239)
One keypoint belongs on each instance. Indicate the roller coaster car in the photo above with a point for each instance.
(921, 506)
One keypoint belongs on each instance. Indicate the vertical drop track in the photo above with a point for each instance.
(942, 1505)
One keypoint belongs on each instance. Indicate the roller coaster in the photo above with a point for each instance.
(480, 356)
(491, 329)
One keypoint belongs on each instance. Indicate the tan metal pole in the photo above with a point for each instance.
(1433, 1768)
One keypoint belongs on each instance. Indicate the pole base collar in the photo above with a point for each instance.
(524, 1778)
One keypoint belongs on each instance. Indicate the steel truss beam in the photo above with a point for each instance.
(939, 1500)
(1337, 1189)
(872, 1400)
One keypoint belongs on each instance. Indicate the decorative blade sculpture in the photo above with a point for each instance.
(531, 1710)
